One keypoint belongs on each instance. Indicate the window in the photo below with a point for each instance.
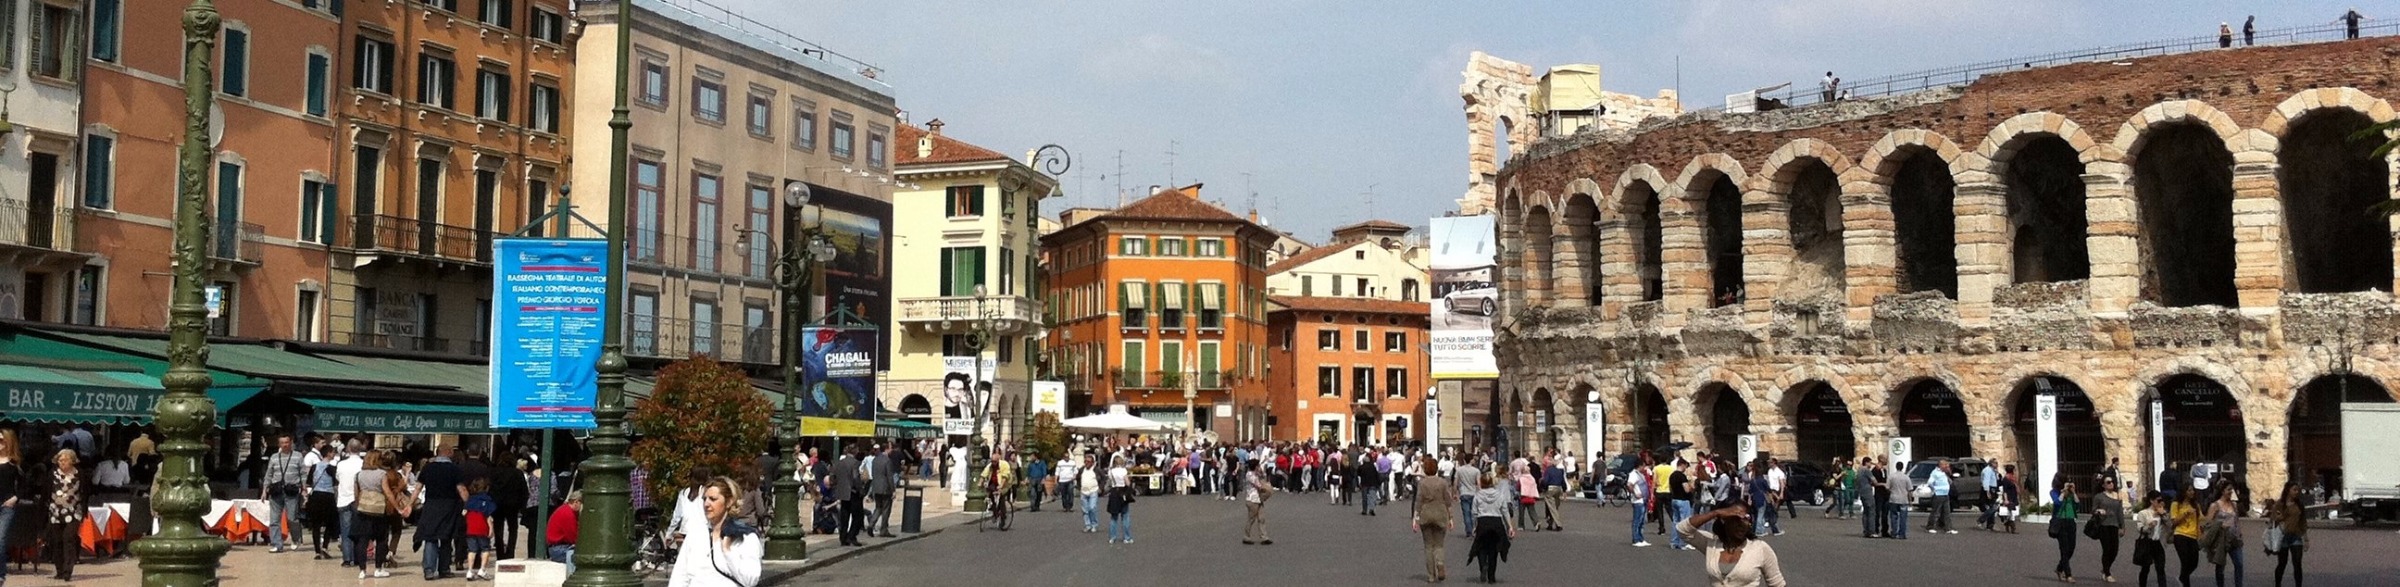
(1329, 340)
(1170, 247)
(54, 41)
(1008, 272)
(1133, 246)
(1212, 305)
(365, 171)
(1362, 383)
(955, 345)
(435, 75)
(704, 327)
(843, 143)
(966, 200)
(88, 288)
(99, 171)
(654, 83)
(644, 309)
(708, 100)
(373, 71)
(1395, 382)
(648, 190)
(491, 94)
(1329, 381)
(8, 33)
(1308, 285)
(108, 22)
(234, 73)
(450, 5)
(541, 107)
(1133, 303)
(804, 125)
(497, 13)
(1363, 290)
(537, 202)
(762, 233)
(706, 194)
(220, 296)
(320, 68)
(1008, 350)
(1395, 342)
(1170, 305)
(1211, 248)
(318, 210)
(549, 26)
(962, 270)
(1360, 339)
(227, 213)
(875, 147)
(1133, 364)
(305, 315)
(762, 116)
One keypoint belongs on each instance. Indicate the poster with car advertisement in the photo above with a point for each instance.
(1466, 297)
(837, 375)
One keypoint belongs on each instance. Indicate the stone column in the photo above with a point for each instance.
(1982, 247)
(1766, 253)
(2112, 236)
(2257, 225)
(1619, 265)
(1870, 257)
(1569, 262)
(1685, 261)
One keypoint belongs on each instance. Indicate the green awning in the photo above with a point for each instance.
(333, 415)
(62, 395)
(252, 359)
(469, 378)
(906, 429)
(23, 342)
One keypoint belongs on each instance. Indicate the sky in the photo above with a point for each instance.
(1339, 111)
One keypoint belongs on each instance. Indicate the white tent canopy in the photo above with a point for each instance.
(1116, 420)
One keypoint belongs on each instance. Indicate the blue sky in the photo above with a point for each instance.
(1320, 102)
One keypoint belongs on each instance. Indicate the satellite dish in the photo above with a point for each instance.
(216, 125)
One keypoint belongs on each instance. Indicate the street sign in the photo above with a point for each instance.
(1748, 444)
(1595, 430)
(1902, 450)
(546, 327)
(2045, 433)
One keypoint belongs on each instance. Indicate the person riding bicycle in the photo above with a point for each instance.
(1000, 483)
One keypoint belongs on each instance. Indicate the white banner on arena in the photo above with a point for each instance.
(1902, 449)
(1595, 429)
(2045, 434)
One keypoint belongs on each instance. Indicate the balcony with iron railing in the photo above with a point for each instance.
(956, 314)
(401, 235)
(50, 228)
(243, 243)
(1173, 380)
(724, 254)
(679, 338)
(409, 342)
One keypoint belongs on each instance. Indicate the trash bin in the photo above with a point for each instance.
(912, 509)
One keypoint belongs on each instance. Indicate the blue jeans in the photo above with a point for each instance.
(349, 546)
(563, 553)
(282, 511)
(7, 516)
(1870, 516)
(1366, 500)
(1091, 512)
(1769, 519)
(437, 558)
(1466, 513)
(1896, 522)
(1681, 509)
(1120, 526)
(1641, 516)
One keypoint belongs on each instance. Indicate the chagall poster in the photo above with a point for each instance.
(837, 381)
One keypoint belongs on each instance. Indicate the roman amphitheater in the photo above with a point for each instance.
(2192, 233)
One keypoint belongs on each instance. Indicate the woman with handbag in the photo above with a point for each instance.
(1120, 502)
(1493, 533)
(2224, 537)
(2062, 528)
(2107, 525)
(2151, 527)
(369, 525)
(2288, 535)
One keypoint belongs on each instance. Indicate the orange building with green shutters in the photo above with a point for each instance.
(1161, 305)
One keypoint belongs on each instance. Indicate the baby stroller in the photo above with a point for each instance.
(1614, 492)
(650, 543)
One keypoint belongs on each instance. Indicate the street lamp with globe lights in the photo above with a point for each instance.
(798, 269)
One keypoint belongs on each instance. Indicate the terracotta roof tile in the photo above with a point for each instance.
(1360, 305)
(1175, 204)
(1310, 256)
(1383, 224)
(945, 149)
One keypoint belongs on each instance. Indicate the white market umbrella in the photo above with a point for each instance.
(1116, 420)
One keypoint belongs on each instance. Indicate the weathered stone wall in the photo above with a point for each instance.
(2101, 330)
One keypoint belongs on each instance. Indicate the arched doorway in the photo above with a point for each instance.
(1924, 223)
(2082, 450)
(1815, 222)
(2328, 182)
(1934, 420)
(2183, 185)
(2315, 446)
(2202, 422)
(1537, 263)
(1641, 206)
(1649, 419)
(1821, 423)
(1721, 216)
(1581, 216)
(916, 407)
(2045, 213)
(1544, 429)
(1726, 416)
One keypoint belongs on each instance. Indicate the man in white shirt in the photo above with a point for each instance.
(113, 474)
(345, 496)
(1068, 473)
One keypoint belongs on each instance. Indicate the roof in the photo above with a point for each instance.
(1175, 204)
(1358, 305)
(945, 149)
(1380, 224)
(1311, 256)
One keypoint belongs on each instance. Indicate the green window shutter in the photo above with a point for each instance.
(329, 209)
(34, 36)
(8, 33)
(949, 269)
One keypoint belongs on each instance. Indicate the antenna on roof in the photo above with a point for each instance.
(1251, 188)
(1171, 144)
(1120, 178)
(1370, 198)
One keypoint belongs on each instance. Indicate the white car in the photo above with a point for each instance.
(1473, 297)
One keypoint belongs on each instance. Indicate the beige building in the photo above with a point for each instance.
(1372, 259)
(726, 114)
(965, 217)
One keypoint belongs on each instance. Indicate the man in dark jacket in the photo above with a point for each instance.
(1370, 482)
(882, 479)
(443, 516)
(847, 491)
(511, 493)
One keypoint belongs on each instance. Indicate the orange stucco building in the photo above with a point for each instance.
(1349, 369)
(269, 177)
(1159, 298)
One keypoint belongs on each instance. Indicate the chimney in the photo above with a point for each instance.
(934, 127)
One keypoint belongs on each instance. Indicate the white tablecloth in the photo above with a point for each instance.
(258, 509)
(99, 515)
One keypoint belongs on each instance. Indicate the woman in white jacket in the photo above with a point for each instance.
(734, 549)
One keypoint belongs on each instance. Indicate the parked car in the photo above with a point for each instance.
(1805, 482)
(1967, 470)
(1473, 298)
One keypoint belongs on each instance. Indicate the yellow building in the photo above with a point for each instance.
(965, 216)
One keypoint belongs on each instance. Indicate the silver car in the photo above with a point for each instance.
(1474, 298)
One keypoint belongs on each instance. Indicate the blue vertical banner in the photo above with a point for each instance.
(837, 379)
(546, 324)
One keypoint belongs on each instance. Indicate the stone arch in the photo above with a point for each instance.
(1636, 220)
(1914, 174)
(2324, 180)
(1711, 196)
(1936, 409)
(1536, 256)
(1795, 375)
(1820, 429)
(1579, 259)
(2182, 155)
(2083, 434)
(2242, 436)
(2010, 137)
(1801, 184)
(2156, 372)
(2039, 162)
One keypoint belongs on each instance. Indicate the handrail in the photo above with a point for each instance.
(1803, 94)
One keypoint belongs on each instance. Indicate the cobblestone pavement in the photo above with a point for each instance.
(1193, 540)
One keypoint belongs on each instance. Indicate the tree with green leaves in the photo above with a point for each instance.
(2383, 133)
(702, 413)
(1048, 438)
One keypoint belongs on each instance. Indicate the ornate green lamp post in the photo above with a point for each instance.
(182, 553)
(604, 544)
(795, 273)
